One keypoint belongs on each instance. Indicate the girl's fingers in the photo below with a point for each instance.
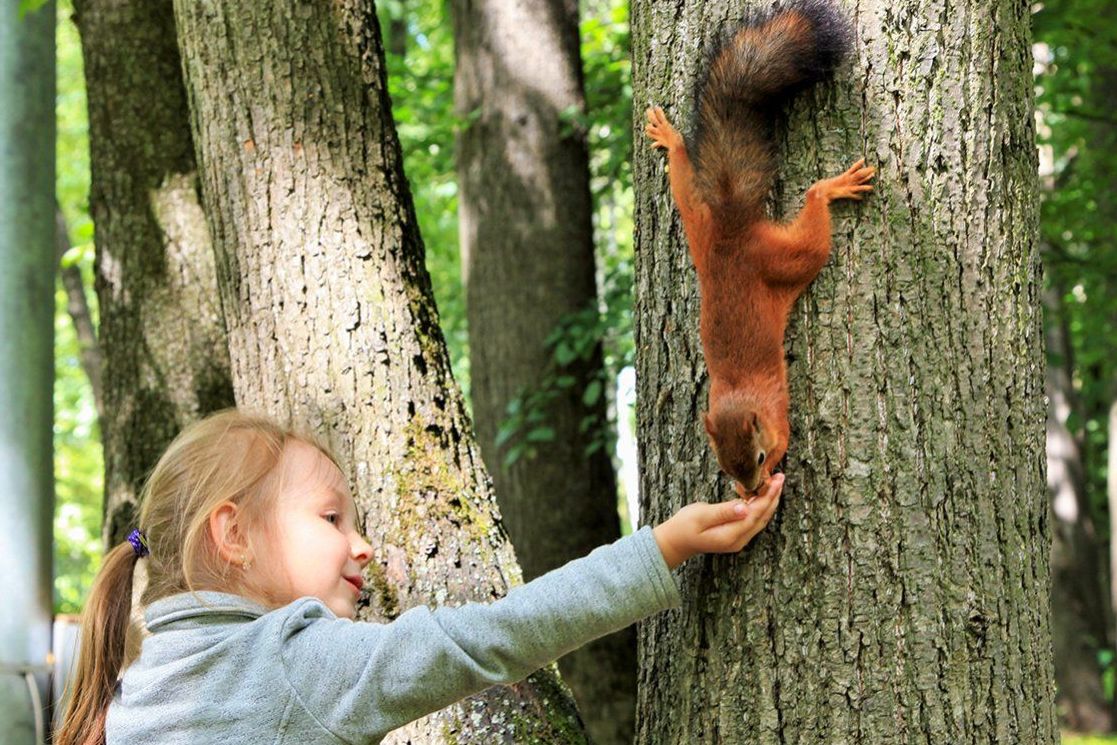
(763, 519)
(734, 534)
(725, 512)
(729, 526)
(773, 488)
(765, 506)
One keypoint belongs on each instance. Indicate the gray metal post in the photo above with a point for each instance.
(27, 140)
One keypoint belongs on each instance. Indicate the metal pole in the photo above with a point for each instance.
(27, 141)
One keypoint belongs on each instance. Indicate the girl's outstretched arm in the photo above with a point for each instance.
(360, 680)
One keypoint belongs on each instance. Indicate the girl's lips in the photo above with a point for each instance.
(357, 583)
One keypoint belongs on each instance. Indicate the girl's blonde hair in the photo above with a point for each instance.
(230, 456)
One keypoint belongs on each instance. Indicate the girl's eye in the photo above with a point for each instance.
(332, 518)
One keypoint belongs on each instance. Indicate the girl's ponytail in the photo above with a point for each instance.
(104, 622)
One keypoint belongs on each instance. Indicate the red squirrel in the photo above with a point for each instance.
(750, 269)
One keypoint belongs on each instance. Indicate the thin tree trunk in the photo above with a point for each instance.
(397, 30)
(1078, 593)
(331, 319)
(528, 258)
(161, 329)
(1103, 138)
(1111, 499)
(77, 305)
(901, 595)
(27, 177)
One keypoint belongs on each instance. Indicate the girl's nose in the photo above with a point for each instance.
(362, 551)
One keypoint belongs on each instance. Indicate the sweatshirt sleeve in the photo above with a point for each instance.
(358, 679)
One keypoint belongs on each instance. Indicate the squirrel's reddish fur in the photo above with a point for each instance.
(750, 269)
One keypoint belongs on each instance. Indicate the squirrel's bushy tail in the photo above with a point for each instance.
(748, 79)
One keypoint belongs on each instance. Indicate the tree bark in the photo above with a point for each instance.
(1079, 589)
(901, 594)
(528, 257)
(331, 320)
(161, 329)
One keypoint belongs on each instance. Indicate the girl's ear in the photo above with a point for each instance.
(224, 529)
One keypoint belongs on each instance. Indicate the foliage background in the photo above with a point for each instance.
(78, 466)
(1077, 107)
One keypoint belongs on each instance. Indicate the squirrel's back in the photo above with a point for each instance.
(749, 78)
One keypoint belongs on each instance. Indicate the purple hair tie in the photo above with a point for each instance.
(139, 542)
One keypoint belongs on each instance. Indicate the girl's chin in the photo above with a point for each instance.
(345, 609)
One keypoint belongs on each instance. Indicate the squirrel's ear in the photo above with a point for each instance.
(709, 424)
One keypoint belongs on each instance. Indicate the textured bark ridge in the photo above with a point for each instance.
(161, 332)
(901, 594)
(528, 257)
(331, 320)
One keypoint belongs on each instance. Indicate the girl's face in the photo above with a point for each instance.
(315, 548)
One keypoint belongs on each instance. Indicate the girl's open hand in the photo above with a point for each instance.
(721, 528)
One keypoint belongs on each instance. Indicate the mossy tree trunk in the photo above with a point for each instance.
(331, 319)
(901, 594)
(161, 332)
(528, 259)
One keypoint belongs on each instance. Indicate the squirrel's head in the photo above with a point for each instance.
(742, 442)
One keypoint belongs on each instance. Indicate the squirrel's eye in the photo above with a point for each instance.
(760, 459)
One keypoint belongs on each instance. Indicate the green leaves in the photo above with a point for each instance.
(30, 6)
(592, 393)
(1076, 85)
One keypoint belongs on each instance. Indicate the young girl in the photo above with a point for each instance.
(254, 565)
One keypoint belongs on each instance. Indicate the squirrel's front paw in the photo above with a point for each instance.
(851, 184)
(660, 130)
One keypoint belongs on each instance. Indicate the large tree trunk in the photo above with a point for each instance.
(331, 319)
(1079, 592)
(901, 595)
(27, 167)
(528, 258)
(161, 332)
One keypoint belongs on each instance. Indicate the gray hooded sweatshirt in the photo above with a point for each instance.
(220, 669)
